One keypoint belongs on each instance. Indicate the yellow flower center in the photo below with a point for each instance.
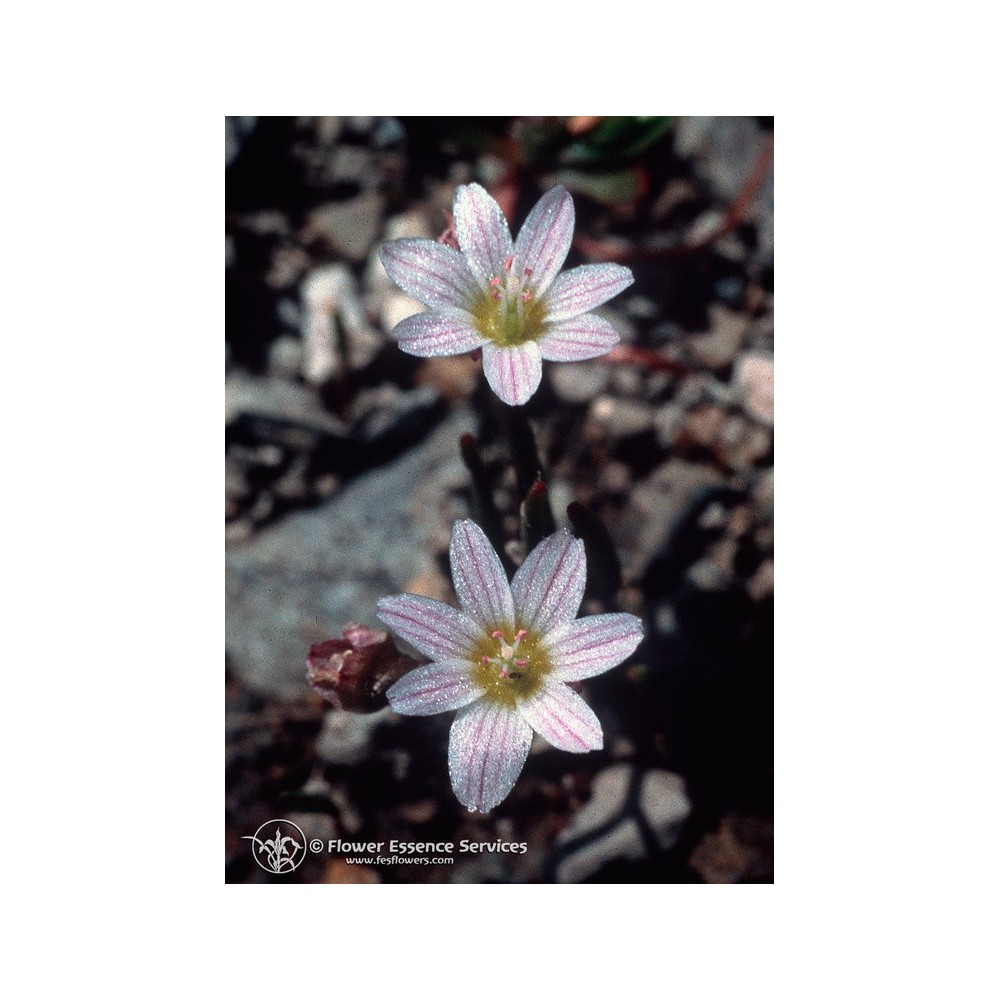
(509, 314)
(509, 669)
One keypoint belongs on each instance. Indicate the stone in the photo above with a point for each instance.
(653, 508)
(580, 381)
(238, 129)
(664, 805)
(629, 814)
(302, 578)
(346, 736)
(621, 418)
(331, 299)
(348, 228)
(754, 378)
(279, 399)
(717, 349)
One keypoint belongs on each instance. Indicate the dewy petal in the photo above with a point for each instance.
(437, 630)
(577, 339)
(544, 239)
(514, 373)
(438, 687)
(479, 578)
(548, 587)
(584, 288)
(431, 272)
(487, 750)
(432, 334)
(562, 717)
(589, 646)
(482, 233)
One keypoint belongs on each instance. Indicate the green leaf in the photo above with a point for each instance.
(617, 139)
(616, 187)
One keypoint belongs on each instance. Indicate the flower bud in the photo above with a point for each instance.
(353, 673)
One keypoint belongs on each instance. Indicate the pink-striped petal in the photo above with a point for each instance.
(562, 717)
(487, 750)
(577, 339)
(514, 373)
(438, 687)
(589, 646)
(548, 586)
(437, 630)
(431, 272)
(482, 233)
(584, 288)
(479, 577)
(544, 240)
(433, 334)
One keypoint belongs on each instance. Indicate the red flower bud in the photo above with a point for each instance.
(354, 673)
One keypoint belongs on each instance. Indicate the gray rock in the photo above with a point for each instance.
(653, 508)
(331, 300)
(348, 228)
(621, 418)
(664, 805)
(238, 127)
(277, 398)
(579, 381)
(300, 580)
(346, 736)
(617, 824)
(718, 348)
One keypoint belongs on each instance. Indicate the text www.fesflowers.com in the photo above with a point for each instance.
(398, 859)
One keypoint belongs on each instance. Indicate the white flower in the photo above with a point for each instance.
(506, 658)
(507, 298)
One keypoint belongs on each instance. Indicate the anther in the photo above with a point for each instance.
(494, 282)
(526, 296)
(496, 635)
(508, 263)
(521, 633)
(528, 272)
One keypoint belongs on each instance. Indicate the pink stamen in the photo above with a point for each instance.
(520, 635)
(520, 663)
(528, 272)
(487, 659)
(494, 282)
(496, 635)
(508, 263)
(526, 296)
(496, 294)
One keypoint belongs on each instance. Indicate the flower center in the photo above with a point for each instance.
(509, 669)
(509, 314)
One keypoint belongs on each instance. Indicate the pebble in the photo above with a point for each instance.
(654, 506)
(580, 381)
(346, 736)
(621, 418)
(717, 349)
(348, 228)
(330, 295)
(610, 827)
(754, 380)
